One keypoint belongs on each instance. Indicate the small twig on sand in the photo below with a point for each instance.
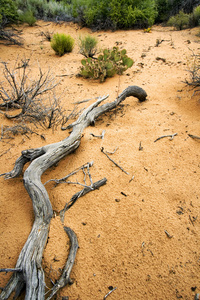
(168, 235)
(99, 136)
(168, 135)
(109, 293)
(140, 146)
(79, 194)
(57, 181)
(194, 136)
(131, 178)
(102, 150)
(192, 219)
(112, 151)
(83, 101)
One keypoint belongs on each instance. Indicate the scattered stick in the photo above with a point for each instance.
(102, 150)
(168, 135)
(194, 136)
(109, 293)
(140, 146)
(131, 178)
(99, 136)
(168, 235)
(58, 181)
(83, 101)
(113, 151)
(79, 194)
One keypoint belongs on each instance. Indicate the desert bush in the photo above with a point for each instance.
(179, 21)
(194, 70)
(88, 45)
(109, 63)
(42, 9)
(102, 14)
(196, 15)
(163, 8)
(8, 12)
(27, 17)
(33, 99)
(62, 43)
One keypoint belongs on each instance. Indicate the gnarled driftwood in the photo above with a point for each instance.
(28, 271)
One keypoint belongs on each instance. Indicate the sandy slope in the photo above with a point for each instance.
(121, 227)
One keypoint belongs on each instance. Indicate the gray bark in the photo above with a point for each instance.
(29, 262)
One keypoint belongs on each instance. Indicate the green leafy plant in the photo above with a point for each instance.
(88, 45)
(103, 14)
(27, 17)
(62, 43)
(196, 16)
(109, 63)
(8, 12)
(179, 21)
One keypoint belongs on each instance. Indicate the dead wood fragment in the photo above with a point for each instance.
(112, 151)
(194, 136)
(131, 178)
(168, 135)
(168, 235)
(109, 293)
(99, 136)
(57, 181)
(102, 150)
(140, 146)
(65, 277)
(79, 194)
(30, 259)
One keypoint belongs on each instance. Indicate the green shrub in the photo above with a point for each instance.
(88, 45)
(109, 63)
(179, 21)
(163, 8)
(196, 14)
(45, 10)
(101, 14)
(62, 43)
(27, 17)
(8, 12)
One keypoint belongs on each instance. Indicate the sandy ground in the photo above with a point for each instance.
(122, 227)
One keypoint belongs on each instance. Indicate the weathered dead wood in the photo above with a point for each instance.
(29, 262)
(65, 277)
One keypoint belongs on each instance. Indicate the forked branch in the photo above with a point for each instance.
(29, 262)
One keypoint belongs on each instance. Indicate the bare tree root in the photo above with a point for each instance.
(10, 37)
(31, 275)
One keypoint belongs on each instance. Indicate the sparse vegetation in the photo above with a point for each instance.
(30, 100)
(194, 70)
(42, 9)
(62, 43)
(109, 63)
(27, 17)
(88, 45)
(196, 16)
(179, 21)
(115, 14)
(8, 12)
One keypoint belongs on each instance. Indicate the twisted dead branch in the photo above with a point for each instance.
(28, 270)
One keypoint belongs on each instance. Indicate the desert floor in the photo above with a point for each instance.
(140, 232)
